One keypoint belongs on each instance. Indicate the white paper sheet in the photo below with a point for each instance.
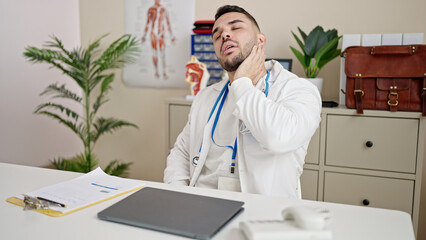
(90, 188)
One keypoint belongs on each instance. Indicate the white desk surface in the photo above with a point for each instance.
(349, 222)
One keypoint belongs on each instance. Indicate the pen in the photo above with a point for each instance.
(50, 201)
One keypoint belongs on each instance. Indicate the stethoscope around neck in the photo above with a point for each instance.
(222, 97)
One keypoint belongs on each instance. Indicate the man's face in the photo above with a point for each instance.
(234, 36)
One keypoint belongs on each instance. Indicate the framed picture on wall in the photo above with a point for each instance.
(286, 62)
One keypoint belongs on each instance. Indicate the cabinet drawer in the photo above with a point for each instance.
(178, 117)
(388, 144)
(314, 148)
(309, 184)
(380, 192)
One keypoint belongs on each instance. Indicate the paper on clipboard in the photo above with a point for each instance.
(89, 189)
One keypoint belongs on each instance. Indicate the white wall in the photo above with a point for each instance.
(26, 138)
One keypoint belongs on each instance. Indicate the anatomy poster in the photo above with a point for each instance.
(164, 29)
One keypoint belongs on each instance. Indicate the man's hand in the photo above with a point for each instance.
(253, 66)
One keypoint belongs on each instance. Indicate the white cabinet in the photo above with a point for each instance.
(309, 182)
(372, 160)
(373, 191)
(178, 116)
(387, 144)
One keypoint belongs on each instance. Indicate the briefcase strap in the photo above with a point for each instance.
(359, 93)
(393, 99)
(392, 50)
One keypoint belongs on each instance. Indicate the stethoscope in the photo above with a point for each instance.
(222, 97)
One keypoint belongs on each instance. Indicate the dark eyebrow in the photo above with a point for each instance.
(229, 23)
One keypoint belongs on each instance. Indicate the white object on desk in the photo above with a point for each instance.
(299, 222)
(308, 217)
(280, 230)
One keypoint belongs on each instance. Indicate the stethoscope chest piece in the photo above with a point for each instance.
(195, 160)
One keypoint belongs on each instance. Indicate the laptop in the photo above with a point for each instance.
(179, 213)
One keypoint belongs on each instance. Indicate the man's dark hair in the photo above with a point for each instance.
(233, 8)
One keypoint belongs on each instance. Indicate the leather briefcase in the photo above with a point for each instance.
(386, 78)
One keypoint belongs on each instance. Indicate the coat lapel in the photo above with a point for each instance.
(206, 137)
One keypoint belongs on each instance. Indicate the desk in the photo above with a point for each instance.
(349, 222)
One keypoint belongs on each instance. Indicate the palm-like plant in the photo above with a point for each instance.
(318, 45)
(88, 68)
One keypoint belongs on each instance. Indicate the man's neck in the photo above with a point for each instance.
(263, 73)
(231, 76)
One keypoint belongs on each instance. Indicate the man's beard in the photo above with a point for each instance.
(232, 66)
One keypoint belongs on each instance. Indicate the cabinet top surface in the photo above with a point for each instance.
(340, 110)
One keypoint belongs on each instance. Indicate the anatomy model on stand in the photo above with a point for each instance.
(196, 75)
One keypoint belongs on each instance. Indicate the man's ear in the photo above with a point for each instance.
(261, 39)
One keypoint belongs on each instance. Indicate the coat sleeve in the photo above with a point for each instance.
(286, 119)
(177, 169)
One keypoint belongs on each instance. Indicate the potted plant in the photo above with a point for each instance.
(318, 48)
(90, 69)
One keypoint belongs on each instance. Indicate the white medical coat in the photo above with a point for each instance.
(271, 153)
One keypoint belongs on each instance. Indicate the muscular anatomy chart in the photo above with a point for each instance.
(164, 28)
(157, 21)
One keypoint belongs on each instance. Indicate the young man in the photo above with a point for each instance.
(250, 134)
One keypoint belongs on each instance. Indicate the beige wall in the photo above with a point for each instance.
(146, 147)
(26, 138)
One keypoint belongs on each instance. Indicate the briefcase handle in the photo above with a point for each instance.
(385, 50)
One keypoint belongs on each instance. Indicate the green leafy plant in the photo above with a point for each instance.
(318, 48)
(89, 68)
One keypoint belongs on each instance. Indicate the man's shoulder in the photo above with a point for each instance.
(278, 71)
(288, 81)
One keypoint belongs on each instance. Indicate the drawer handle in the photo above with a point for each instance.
(365, 202)
(369, 144)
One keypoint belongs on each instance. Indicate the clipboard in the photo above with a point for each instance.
(92, 192)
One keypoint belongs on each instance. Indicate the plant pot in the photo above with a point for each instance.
(317, 82)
